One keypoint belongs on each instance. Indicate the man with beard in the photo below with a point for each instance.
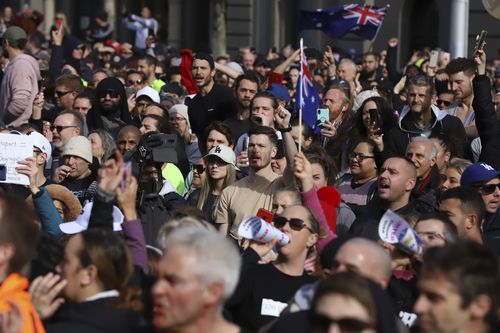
(370, 71)
(245, 87)
(19, 84)
(111, 110)
(421, 118)
(462, 71)
(146, 65)
(213, 102)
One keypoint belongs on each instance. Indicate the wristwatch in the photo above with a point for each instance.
(286, 129)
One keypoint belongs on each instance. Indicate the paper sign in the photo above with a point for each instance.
(394, 230)
(12, 149)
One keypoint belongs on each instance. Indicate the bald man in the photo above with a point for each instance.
(366, 258)
(128, 137)
(397, 179)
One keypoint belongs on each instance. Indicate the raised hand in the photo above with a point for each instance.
(45, 291)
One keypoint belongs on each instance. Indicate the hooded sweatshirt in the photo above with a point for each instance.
(398, 138)
(18, 90)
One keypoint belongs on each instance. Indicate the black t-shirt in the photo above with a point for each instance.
(218, 104)
(261, 294)
(238, 127)
(81, 188)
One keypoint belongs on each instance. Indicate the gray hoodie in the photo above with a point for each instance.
(18, 90)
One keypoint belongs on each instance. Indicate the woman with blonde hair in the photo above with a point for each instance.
(220, 164)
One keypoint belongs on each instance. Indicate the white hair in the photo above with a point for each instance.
(218, 260)
(424, 140)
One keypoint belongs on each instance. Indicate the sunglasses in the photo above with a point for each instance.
(322, 323)
(62, 93)
(112, 93)
(59, 129)
(132, 82)
(199, 168)
(443, 102)
(294, 223)
(488, 189)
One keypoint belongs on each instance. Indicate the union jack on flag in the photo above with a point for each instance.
(362, 20)
(307, 97)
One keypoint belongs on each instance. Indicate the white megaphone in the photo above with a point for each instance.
(257, 229)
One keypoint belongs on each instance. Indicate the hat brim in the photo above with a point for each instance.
(71, 228)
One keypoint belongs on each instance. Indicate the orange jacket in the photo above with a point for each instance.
(13, 289)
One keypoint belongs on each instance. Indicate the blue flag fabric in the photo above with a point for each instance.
(307, 97)
(362, 20)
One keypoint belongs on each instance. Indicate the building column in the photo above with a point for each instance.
(49, 12)
(110, 8)
(459, 28)
(175, 23)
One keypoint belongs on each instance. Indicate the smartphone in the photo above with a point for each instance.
(3, 173)
(480, 42)
(322, 116)
(373, 116)
(246, 141)
(129, 91)
(128, 166)
(433, 62)
(265, 215)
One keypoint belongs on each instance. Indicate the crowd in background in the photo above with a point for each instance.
(147, 159)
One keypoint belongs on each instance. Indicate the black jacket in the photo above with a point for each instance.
(491, 232)
(486, 122)
(94, 317)
(398, 138)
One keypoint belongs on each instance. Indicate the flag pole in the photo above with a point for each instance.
(300, 95)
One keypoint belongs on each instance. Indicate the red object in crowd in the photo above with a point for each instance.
(114, 44)
(186, 76)
(329, 199)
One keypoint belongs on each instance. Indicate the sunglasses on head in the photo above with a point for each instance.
(112, 93)
(322, 323)
(443, 102)
(200, 168)
(294, 223)
(488, 189)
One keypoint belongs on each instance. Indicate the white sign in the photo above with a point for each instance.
(12, 149)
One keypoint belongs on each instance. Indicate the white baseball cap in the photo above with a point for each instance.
(82, 221)
(223, 152)
(41, 142)
(149, 92)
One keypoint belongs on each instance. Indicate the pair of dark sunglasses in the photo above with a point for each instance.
(132, 82)
(322, 323)
(488, 189)
(62, 93)
(111, 92)
(200, 168)
(294, 223)
(443, 102)
(59, 129)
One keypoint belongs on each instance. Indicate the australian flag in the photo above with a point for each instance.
(307, 97)
(362, 20)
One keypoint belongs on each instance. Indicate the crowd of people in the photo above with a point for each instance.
(147, 159)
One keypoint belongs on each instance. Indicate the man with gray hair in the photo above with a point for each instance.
(423, 154)
(421, 118)
(194, 281)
